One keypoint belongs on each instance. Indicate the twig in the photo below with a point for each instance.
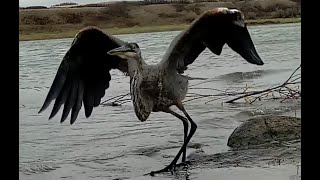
(266, 90)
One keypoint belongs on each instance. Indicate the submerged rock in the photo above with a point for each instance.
(265, 129)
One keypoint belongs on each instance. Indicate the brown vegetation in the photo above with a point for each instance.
(128, 14)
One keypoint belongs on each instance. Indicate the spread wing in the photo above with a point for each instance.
(213, 29)
(83, 75)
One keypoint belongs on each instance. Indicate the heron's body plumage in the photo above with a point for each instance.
(155, 89)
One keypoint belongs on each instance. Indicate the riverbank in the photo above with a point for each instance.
(27, 36)
(139, 17)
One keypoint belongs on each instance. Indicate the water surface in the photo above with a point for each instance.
(113, 143)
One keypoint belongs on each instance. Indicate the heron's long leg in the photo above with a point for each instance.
(185, 129)
(193, 128)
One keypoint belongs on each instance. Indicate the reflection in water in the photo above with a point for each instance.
(112, 143)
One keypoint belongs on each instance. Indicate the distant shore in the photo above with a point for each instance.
(144, 16)
(140, 29)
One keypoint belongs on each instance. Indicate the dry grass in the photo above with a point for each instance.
(114, 31)
(137, 29)
(125, 17)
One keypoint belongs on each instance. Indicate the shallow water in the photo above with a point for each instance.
(113, 143)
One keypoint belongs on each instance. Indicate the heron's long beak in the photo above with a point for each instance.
(119, 51)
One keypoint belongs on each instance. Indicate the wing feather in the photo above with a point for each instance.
(212, 29)
(83, 75)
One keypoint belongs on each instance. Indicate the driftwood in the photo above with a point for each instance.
(290, 89)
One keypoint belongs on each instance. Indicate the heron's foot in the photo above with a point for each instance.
(170, 168)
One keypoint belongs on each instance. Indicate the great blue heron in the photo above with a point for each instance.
(83, 75)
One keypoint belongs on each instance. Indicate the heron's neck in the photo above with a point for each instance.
(135, 64)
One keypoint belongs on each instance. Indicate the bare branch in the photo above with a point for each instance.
(287, 82)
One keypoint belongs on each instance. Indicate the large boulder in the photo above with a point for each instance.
(264, 130)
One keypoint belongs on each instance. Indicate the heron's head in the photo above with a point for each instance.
(128, 51)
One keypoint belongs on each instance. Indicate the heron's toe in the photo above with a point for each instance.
(170, 168)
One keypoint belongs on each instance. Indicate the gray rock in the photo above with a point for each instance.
(265, 129)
